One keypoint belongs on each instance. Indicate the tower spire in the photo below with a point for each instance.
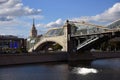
(33, 32)
(33, 22)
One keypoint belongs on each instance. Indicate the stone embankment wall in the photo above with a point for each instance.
(7, 59)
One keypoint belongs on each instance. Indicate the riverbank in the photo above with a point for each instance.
(26, 58)
(93, 55)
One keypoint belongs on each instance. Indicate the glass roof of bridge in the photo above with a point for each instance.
(115, 24)
(55, 32)
(87, 28)
(80, 28)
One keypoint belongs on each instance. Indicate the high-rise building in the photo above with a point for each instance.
(33, 32)
(34, 37)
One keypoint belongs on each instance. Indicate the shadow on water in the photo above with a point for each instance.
(80, 63)
(113, 63)
(106, 69)
(34, 64)
(99, 64)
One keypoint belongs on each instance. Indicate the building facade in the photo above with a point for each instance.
(12, 44)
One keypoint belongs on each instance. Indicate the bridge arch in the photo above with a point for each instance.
(49, 46)
(61, 40)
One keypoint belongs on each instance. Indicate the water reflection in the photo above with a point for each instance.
(107, 63)
(108, 69)
(84, 71)
(82, 68)
(35, 72)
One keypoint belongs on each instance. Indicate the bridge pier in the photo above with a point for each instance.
(71, 42)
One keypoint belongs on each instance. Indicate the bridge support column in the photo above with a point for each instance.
(71, 44)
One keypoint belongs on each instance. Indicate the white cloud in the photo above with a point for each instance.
(7, 18)
(109, 15)
(13, 17)
(15, 8)
(57, 23)
(14, 27)
(10, 9)
(38, 17)
(3, 1)
(43, 28)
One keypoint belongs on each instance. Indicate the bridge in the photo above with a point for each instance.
(52, 37)
(77, 36)
(88, 41)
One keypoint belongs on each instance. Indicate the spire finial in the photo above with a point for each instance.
(33, 30)
(33, 21)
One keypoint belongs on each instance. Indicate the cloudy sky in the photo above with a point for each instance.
(16, 15)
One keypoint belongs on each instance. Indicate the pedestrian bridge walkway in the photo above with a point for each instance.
(78, 30)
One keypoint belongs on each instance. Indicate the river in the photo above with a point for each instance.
(106, 69)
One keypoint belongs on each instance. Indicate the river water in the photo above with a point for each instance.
(106, 69)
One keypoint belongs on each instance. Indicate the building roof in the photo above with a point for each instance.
(8, 37)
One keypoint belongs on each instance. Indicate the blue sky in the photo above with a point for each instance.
(66, 9)
(16, 15)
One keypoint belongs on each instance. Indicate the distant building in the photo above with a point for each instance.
(12, 44)
(33, 32)
(34, 37)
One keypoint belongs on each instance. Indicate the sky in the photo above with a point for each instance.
(16, 16)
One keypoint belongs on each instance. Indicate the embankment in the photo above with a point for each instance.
(8, 59)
